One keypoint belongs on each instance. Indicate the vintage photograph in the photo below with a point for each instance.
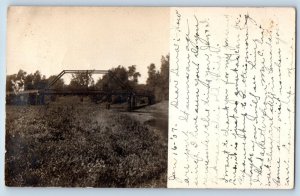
(87, 92)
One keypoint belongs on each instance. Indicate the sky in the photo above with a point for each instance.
(52, 39)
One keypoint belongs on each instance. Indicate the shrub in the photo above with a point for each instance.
(81, 146)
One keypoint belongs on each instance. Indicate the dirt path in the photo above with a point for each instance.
(155, 116)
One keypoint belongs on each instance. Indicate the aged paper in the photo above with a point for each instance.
(87, 96)
(232, 98)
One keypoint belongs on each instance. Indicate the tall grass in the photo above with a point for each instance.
(68, 145)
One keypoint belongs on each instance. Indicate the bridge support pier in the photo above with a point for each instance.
(131, 102)
(41, 98)
(151, 100)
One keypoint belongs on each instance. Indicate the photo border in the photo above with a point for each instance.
(129, 191)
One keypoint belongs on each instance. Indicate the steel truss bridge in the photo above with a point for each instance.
(37, 97)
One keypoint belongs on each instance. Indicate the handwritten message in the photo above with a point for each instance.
(232, 98)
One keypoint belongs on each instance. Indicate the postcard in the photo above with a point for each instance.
(172, 97)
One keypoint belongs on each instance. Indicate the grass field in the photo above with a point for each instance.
(82, 145)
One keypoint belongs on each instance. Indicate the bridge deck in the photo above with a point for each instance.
(80, 92)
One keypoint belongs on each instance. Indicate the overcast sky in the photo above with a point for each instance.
(52, 39)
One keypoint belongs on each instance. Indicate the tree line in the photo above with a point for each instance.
(118, 78)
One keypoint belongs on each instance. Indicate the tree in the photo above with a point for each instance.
(152, 76)
(133, 75)
(9, 80)
(21, 74)
(59, 84)
(164, 77)
(29, 84)
(35, 81)
(115, 79)
(164, 69)
(81, 81)
(158, 81)
(16, 81)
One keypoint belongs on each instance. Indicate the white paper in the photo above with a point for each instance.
(232, 98)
